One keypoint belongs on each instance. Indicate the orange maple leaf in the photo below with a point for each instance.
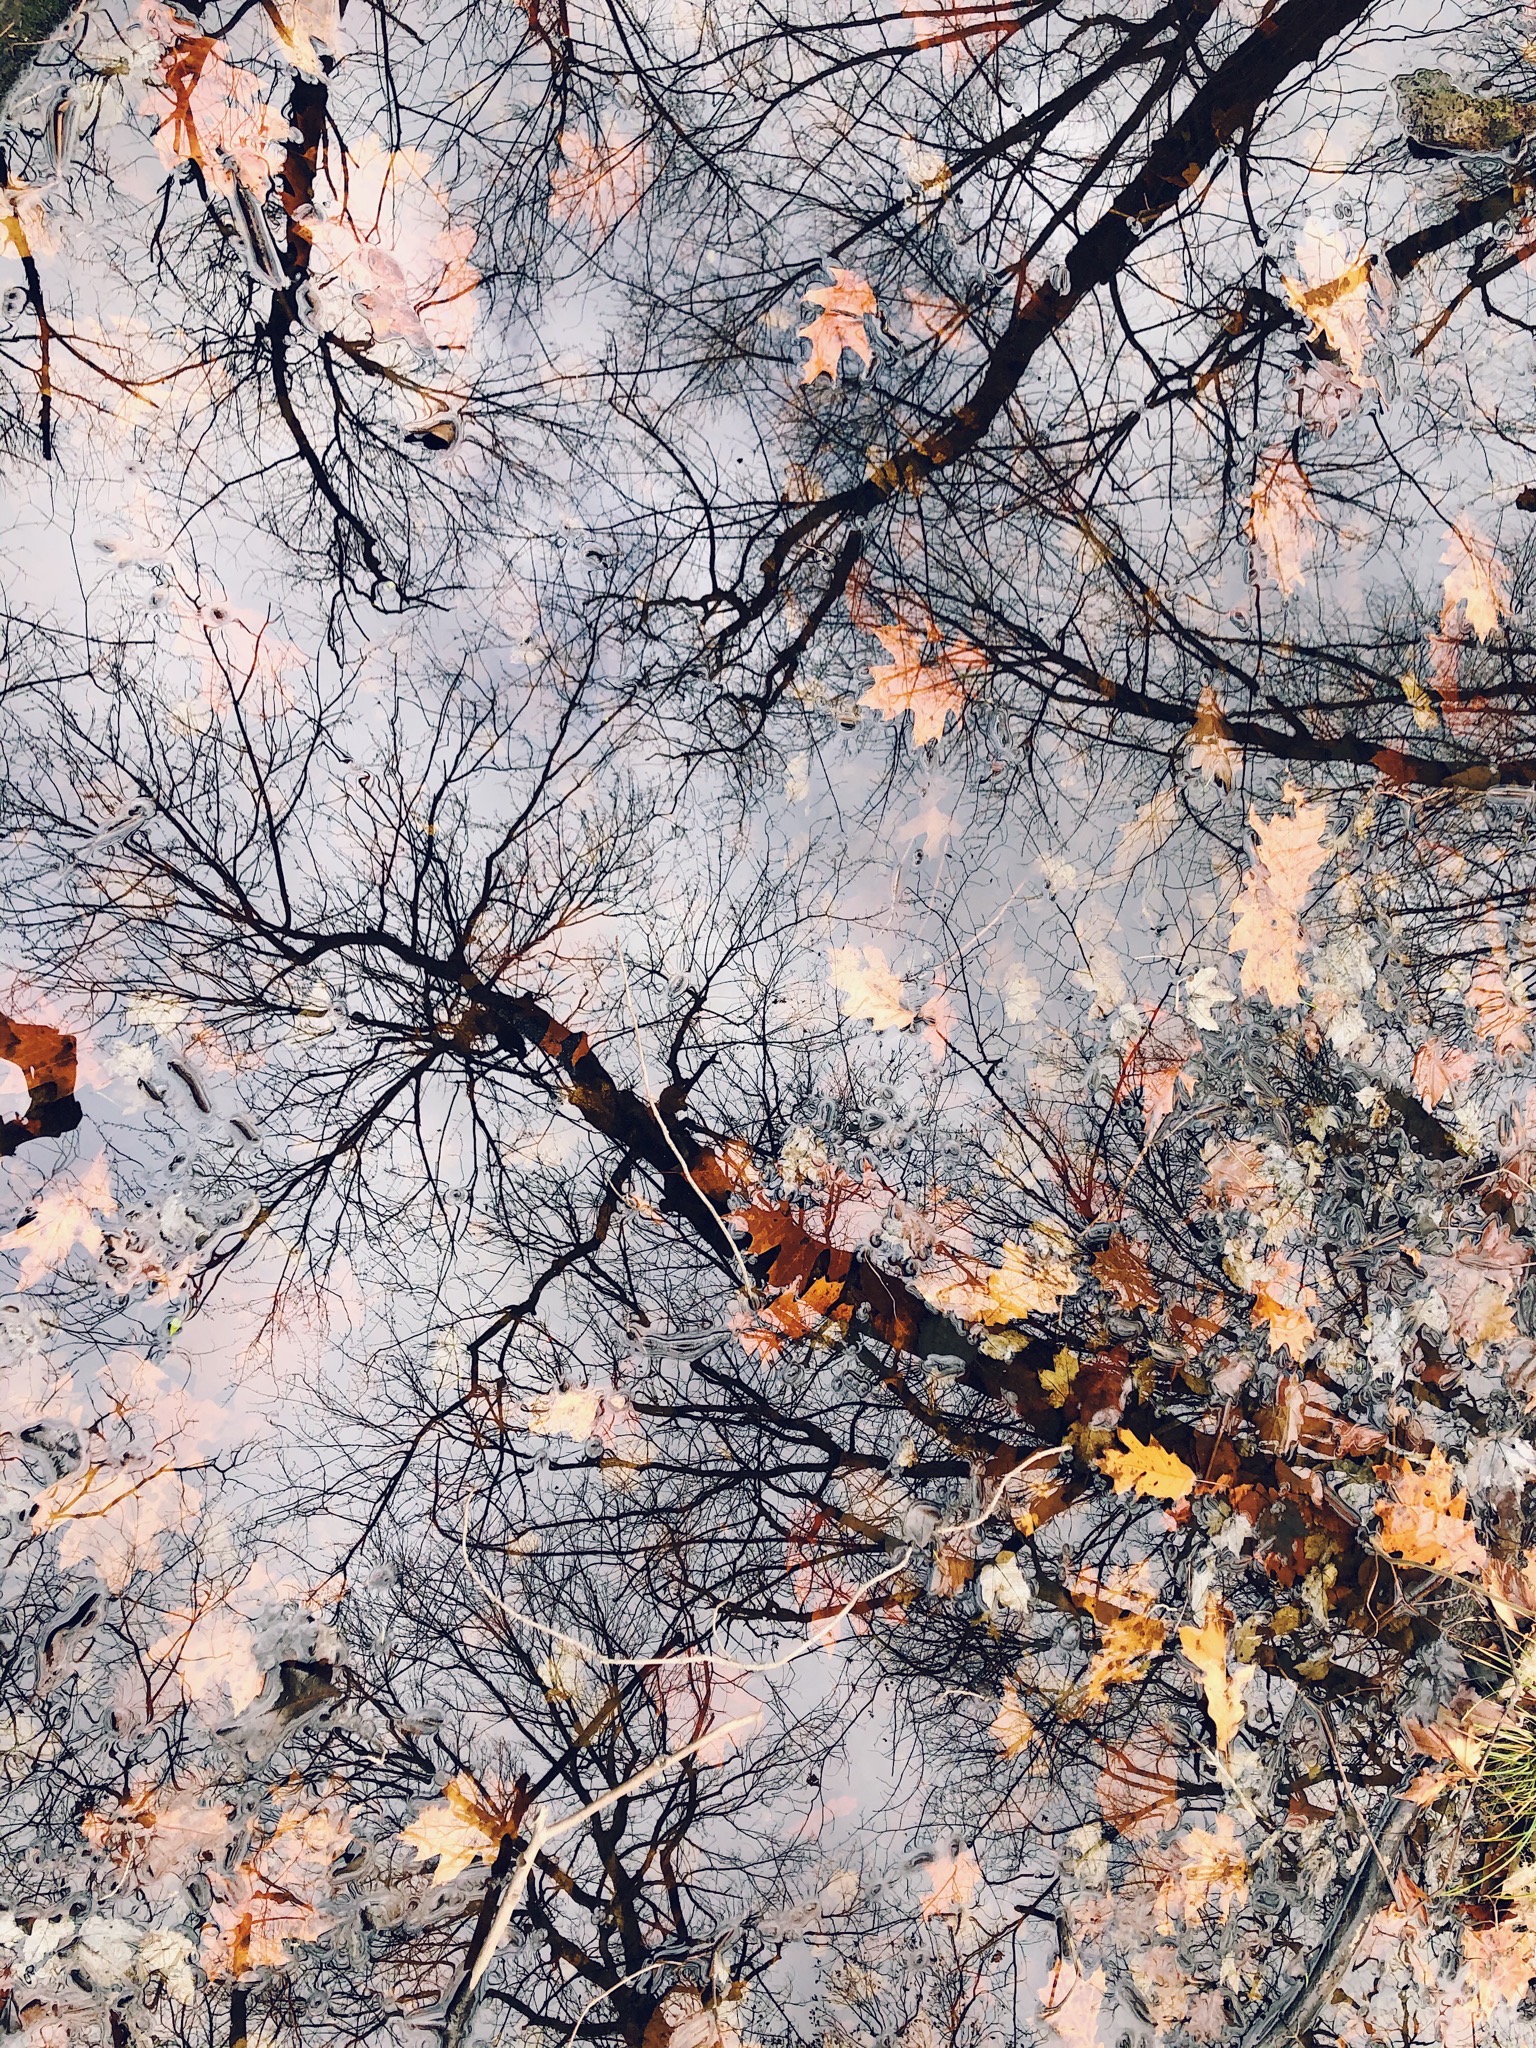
(1425, 1521)
(924, 676)
(1151, 1471)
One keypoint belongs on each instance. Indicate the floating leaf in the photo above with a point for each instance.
(1148, 1470)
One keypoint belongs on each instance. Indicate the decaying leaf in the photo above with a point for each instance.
(1501, 1007)
(1121, 1269)
(1212, 1870)
(1211, 746)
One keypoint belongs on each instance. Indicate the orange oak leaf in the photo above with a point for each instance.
(846, 303)
(1268, 909)
(1438, 1069)
(46, 1059)
(924, 675)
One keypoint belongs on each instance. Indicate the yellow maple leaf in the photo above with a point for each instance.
(1478, 581)
(1033, 1279)
(1206, 1649)
(868, 986)
(1012, 1726)
(1148, 1469)
(1281, 514)
(1057, 1377)
(1127, 1645)
(457, 1830)
(845, 305)
(953, 1881)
